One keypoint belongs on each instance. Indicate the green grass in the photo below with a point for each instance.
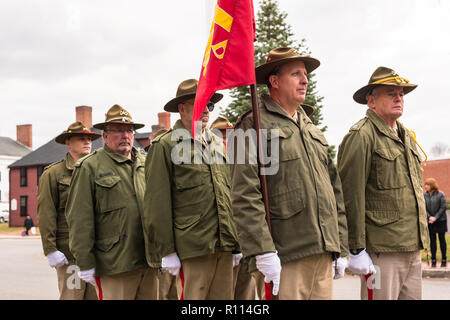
(5, 228)
(438, 252)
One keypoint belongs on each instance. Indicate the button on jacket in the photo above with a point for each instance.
(382, 182)
(305, 196)
(187, 201)
(104, 213)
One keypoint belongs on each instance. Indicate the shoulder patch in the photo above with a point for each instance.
(242, 117)
(358, 125)
(53, 164)
(157, 138)
(80, 161)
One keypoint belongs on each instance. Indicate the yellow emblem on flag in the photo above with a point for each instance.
(224, 20)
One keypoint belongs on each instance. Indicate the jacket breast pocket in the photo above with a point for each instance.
(110, 207)
(287, 147)
(390, 173)
(189, 180)
(63, 191)
(321, 145)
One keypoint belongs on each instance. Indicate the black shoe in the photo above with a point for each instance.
(433, 263)
(444, 263)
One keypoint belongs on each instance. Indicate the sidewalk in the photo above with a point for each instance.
(17, 234)
(429, 272)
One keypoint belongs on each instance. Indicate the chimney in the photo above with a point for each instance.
(24, 134)
(164, 120)
(84, 115)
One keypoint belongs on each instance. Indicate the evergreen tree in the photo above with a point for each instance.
(273, 31)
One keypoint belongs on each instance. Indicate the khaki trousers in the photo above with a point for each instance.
(140, 284)
(309, 278)
(71, 287)
(208, 277)
(260, 285)
(398, 277)
(169, 286)
(244, 283)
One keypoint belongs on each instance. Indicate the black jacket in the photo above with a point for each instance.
(436, 205)
(28, 223)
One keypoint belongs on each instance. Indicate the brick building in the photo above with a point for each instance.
(439, 169)
(10, 151)
(25, 173)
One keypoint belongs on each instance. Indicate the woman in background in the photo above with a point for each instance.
(437, 219)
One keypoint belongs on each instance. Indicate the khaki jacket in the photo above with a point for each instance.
(306, 203)
(54, 186)
(187, 204)
(104, 213)
(382, 182)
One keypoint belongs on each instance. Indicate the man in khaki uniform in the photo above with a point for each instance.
(243, 283)
(187, 202)
(307, 214)
(54, 186)
(170, 286)
(104, 214)
(382, 181)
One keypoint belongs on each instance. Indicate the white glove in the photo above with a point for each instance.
(340, 264)
(270, 266)
(87, 276)
(57, 259)
(236, 259)
(361, 263)
(171, 264)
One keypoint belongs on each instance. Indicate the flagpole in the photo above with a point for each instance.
(262, 175)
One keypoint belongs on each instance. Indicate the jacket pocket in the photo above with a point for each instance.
(389, 171)
(321, 145)
(105, 245)
(183, 222)
(188, 176)
(288, 149)
(382, 211)
(63, 191)
(108, 193)
(285, 205)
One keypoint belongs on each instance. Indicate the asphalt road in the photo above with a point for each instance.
(25, 274)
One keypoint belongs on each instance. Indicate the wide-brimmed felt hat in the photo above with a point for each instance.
(221, 123)
(279, 56)
(76, 129)
(383, 76)
(117, 114)
(187, 90)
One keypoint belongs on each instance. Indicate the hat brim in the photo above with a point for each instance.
(263, 71)
(360, 95)
(65, 135)
(172, 105)
(102, 125)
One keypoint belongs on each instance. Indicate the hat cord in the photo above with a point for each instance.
(397, 79)
(413, 135)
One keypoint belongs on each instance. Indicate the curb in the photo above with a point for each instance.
(14, 236)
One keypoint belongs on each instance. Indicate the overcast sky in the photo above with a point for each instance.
(56, 55)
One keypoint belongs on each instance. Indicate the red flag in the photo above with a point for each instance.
(229, 56)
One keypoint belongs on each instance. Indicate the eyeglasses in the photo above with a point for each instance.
(210, 105)
(121, 131)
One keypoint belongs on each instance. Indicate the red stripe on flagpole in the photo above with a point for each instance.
(369, 291)
(182, 283)
(268, 291)
(99, 286)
